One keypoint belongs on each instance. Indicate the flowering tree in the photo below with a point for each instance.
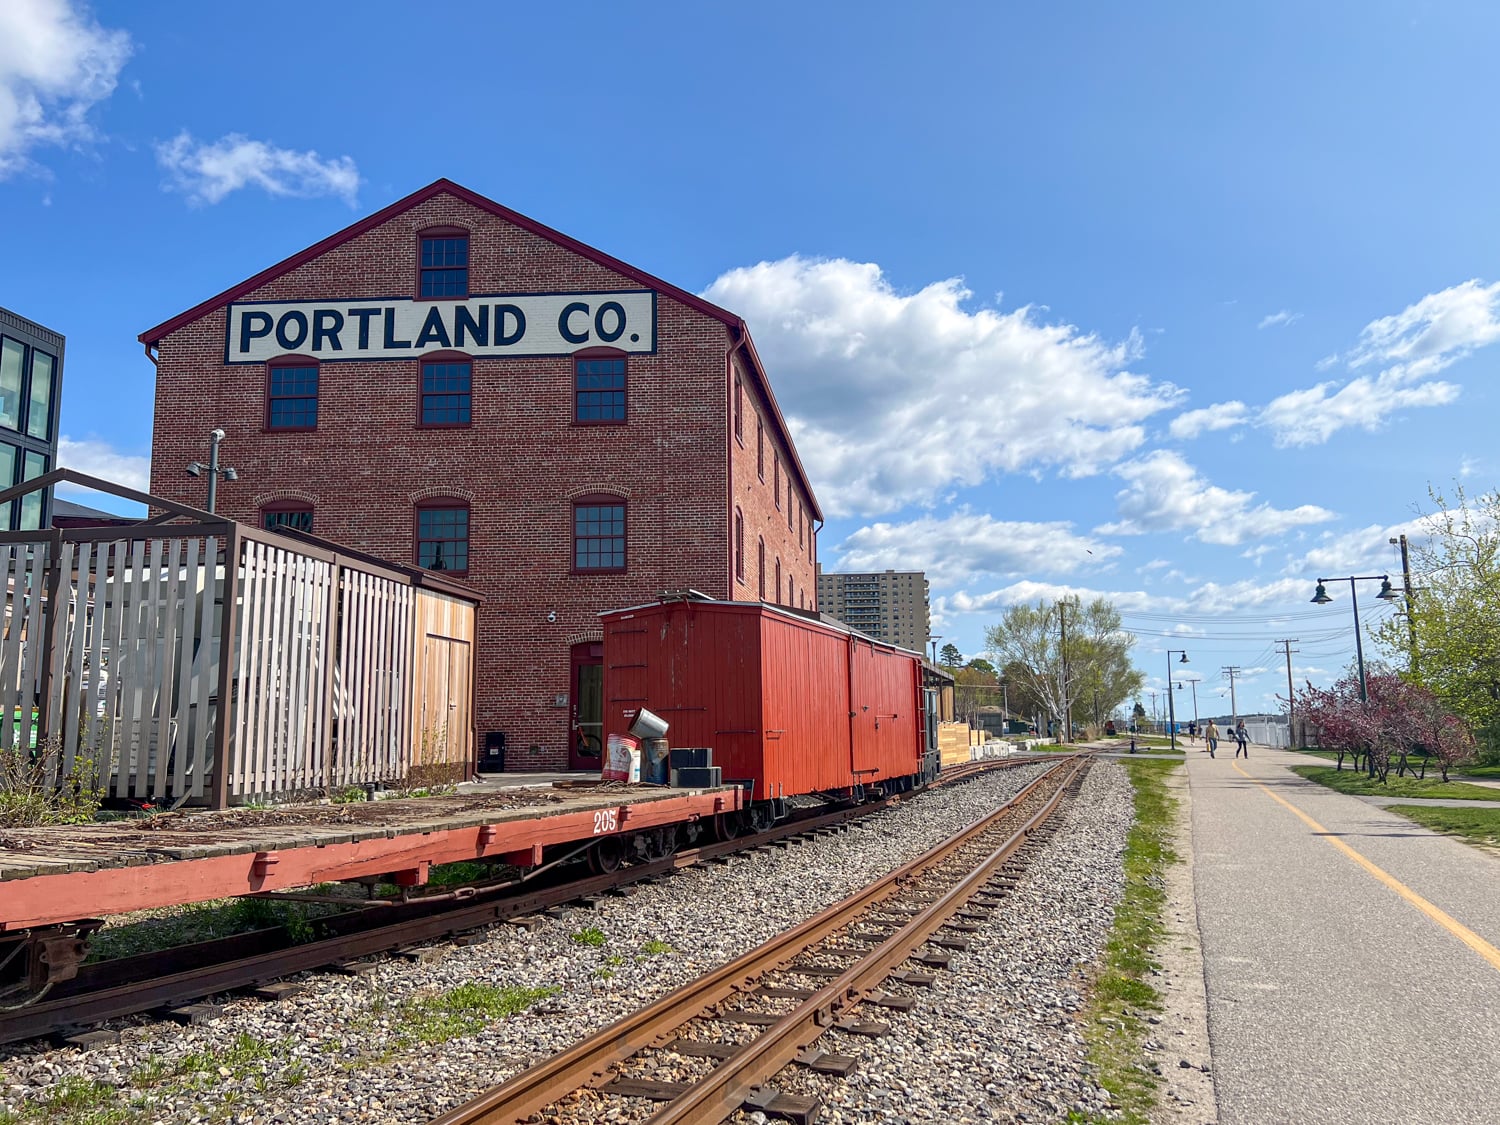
(1400, 718)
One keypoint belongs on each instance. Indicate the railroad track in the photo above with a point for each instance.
(167, 979)
(715, 1046)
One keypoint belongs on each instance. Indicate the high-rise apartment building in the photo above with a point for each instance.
(890, 606)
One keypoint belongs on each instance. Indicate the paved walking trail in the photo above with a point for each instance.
(1352, 958)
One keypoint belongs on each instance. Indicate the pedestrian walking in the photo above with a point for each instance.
(1211, 736)
(1192, 731)
(1242, 736)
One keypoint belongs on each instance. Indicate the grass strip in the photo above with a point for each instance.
(1356, 783)
(1115, 1026)
(1477, 826)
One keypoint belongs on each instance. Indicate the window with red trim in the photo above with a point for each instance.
(739, 545)
(444, 264)
(599, 533)
(446, 392)
(295, 515)
(760, 448)
(292, 395)
(599, 390)
(443, 535)
(760, 567)
(789, 502)
(739, 410)
(776, 478)
(776, 597)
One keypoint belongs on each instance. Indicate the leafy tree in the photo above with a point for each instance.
(1093, 667)
(973, 689)
(950, 655)
(1455, 621)
(1400, 718)
(980, 664)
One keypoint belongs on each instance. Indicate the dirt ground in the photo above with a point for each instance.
(1188, 1094)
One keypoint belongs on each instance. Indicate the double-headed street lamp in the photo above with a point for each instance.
(1386, 595)
(1171, 702)
(198, 468)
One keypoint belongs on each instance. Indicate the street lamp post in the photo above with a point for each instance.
(933, 640)
(1171, 697)
(1386, 595)
(198, 468)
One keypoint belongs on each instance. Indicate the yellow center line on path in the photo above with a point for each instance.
(1447, 921)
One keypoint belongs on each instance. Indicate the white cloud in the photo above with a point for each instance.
(1219, 416)
(894, 397)
(1165, 493)
(1207, 598)
(1413, 345)
(1313, 415)
(1282, 317)
(1365, 550)
(207, 172)
(100, 459)
(957, 548)
(56, 63)
(1439, 329)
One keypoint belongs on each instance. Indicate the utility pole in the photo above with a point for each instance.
(1152, 691)
(1062, 618)
(1291, 692)
(1411, 620)
(1232, 670)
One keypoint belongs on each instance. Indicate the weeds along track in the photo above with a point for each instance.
(168, 978)
(745, 1037)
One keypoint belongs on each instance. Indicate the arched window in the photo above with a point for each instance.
(776, 597)
(739, 545)
(292, 393)
(442, 534)
(739, 409)
(760, 567)
(297, 515)
(443, 262)
(598, 533)
(760, 448)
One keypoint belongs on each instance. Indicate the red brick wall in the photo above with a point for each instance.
(519, 465)
(765, 508)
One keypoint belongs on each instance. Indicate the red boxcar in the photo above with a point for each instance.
(788, 702)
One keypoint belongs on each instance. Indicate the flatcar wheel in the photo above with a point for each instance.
(761, 818)
(728, 825)
(661, 842)
(606, 855)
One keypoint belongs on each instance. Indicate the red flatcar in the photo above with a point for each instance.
(791, 704)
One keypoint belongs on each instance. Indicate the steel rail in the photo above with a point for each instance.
(203, 969)
(514, 1101)
(725, 1089)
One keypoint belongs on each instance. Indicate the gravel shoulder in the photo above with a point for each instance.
(1187, 1096)
(995, 1039)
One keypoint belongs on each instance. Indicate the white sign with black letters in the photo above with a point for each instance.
(535, 324)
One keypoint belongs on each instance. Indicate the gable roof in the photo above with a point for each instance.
(152, 337)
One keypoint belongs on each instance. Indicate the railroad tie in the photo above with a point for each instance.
(872, 1029)
(701, 1049)
(891, 1001)
(825, 1062)
(773, 993)
(640, 1088)
(772, 1102)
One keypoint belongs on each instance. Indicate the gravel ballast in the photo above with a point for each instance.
(993, 1039)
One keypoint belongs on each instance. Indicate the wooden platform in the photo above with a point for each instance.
(64, 873)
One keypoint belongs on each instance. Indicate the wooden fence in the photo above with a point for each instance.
(182, 679)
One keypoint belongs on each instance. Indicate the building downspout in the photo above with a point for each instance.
(736, 342)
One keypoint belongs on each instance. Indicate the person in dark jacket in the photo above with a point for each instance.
(1242, 736)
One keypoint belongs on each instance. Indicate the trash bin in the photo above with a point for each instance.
(655, 764)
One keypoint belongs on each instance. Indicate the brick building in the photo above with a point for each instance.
(451, 384)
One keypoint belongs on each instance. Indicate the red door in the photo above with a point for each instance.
(586, 733)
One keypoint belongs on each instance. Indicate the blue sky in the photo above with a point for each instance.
(1176, 304)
